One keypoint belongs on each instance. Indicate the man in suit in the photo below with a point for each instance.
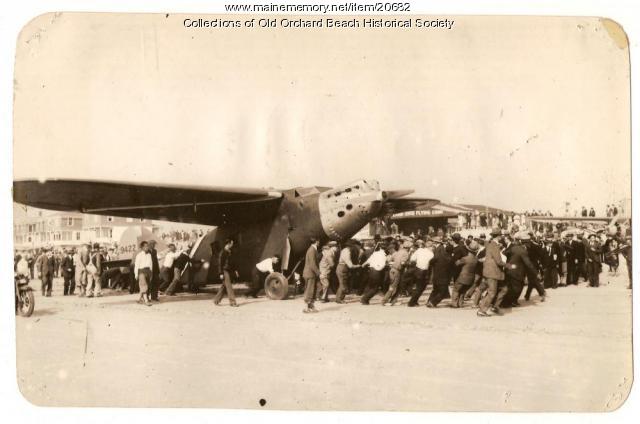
(155, 272)
(493, 275)
(67, 273)
(229, 273)
(46, 265)
(310, 273)
(593, 254)
(550, 260)
(570, 259)
(516, 253)
(459, 252)
(441, 267)
(579, 255)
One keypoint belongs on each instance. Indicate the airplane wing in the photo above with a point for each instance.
(190, 204)
(403, 204)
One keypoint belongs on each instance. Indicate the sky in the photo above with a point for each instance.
(515, 112)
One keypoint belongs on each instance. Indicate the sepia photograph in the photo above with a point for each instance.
(291, 209)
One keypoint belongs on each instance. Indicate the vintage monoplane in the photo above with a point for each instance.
(262, 222)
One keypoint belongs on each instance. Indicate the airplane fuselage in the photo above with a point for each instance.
(304, 213)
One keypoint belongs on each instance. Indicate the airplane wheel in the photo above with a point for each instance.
(276, 286)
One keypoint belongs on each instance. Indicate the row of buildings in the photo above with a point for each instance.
(34, 228)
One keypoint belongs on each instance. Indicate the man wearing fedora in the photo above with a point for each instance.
(459, 251)
(550, 260)
(516, 253)
(493, 273)
(593, 254)
(440, 273)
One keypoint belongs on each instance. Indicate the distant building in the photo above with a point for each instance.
(35, 228)
(61, 229)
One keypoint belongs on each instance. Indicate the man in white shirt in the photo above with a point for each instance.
(142, 271)
(166, 270)
(422, 259)
(376, 264)
(260, 273)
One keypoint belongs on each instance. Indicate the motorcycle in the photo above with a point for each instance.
(25, 301)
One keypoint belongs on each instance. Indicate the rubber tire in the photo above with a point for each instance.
(28, 301)
(276, 286)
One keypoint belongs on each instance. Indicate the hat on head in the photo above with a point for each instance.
(407, 244)
(436, 239)
(483, 236)
(420, 242)
(332, 243)
(523, 236)
(473, 246)
(495, 231)
(456, 237)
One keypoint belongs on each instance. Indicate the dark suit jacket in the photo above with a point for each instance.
(440, 266)
(67, 267)
(517, 254)
(550, 259)
(311, 269)
(460, 251)
(578, 250)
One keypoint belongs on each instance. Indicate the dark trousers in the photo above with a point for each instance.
(407, 280)
(533, 283)
(226, 288)
(440, 292)
(310, 290)
(514, 291)
(581, 271)
(374, 283)
(421, 278)
(342, 271)
(47, 284)
(551, 277)
(572, 276)
(593, 273)
(69, 284)
(154, 286)
(257, 282)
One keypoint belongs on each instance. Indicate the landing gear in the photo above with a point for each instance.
(276, 286)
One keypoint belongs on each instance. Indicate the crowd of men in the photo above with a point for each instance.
(491, 272)
(83, 272)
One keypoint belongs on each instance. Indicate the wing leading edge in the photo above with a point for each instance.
(190, 204)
